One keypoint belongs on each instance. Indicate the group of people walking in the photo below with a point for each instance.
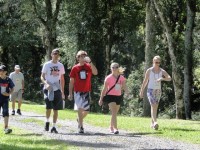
(52, 77)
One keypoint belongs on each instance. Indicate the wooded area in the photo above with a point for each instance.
(129, 32)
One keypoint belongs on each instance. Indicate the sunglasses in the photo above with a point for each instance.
(115, 67)
(83, 55)
(157, 62)
(55, 53)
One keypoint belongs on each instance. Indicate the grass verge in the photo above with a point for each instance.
(26, 140)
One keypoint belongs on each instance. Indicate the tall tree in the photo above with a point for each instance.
(149, 49)
(109, 33)
(188, 55)
(49, 21)
(176, 76)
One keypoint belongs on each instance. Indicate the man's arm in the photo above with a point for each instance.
(94, 69)
(42, 77)
(71, 86)
(62, 83)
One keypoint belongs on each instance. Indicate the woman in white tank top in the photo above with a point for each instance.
(153, 77)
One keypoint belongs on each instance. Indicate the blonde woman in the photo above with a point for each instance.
(114, 98)
(153, 77)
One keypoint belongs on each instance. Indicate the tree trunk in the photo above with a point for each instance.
(49, 37)
(110, 28)
(176, 74)
(50, 21)
(149, 49)
(188, 57)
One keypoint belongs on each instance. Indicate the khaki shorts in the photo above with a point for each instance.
(16, 95)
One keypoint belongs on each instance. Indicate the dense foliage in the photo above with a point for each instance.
(97, 26)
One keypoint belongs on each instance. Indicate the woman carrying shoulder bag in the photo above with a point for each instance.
(114, 84)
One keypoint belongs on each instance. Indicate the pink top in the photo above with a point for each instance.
(110, 81)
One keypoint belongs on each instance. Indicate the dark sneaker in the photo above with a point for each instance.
(81, 130)
(19, 111)
(46, 128)
(53, 130)
(7, 131)
(13, 112)
(116, 132)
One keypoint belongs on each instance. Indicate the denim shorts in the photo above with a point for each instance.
(4, 105)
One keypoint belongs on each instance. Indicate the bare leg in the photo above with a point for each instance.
(13, 104)
(48, 113)
(154, 108)
(114, 110)
(55, 116)
(6, 122)
(19, 103)
(81, 115)
(84, 114)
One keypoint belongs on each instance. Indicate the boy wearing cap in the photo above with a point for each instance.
(18, 79)
(53, 79)
(80, 83)
(7, 87)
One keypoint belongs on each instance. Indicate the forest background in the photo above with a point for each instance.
(129, 32)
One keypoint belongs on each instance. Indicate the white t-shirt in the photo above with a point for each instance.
(53, 71)
(17, 79)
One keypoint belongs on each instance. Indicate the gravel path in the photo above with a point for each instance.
(97, 137)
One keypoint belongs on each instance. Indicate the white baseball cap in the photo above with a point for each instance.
(17, 67)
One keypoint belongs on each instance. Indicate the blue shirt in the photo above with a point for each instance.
(5, 86)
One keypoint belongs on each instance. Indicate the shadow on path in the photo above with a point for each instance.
(92, 144)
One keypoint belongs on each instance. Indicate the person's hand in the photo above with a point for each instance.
(100, 102)
(70, 97)
(63, 95)
(159, 80)
(47, 86)
(87, 59)
(5, 94)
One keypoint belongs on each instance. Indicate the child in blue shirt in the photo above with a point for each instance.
(6, 87)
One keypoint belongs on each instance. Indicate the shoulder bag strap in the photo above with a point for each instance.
(113, 85)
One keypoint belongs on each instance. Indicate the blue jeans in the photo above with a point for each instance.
(4, 105)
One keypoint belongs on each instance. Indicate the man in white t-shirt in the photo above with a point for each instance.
(53, 79)
(18, 79)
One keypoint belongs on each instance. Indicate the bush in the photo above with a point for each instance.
(132, 106)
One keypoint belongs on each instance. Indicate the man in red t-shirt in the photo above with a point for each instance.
(80, 82)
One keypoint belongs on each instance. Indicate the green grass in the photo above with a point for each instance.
(26, 140)
(183, 130)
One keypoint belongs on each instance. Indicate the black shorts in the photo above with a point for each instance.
(57, 103)
(113, 98)
(4, 105)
